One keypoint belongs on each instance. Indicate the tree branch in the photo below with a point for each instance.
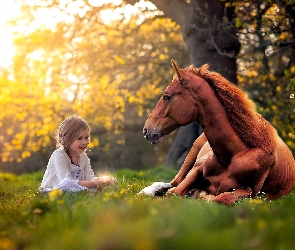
(230, 55)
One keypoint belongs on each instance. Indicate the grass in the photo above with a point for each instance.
(119, 219)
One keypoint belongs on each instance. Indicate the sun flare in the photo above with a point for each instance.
(7, 10)
(50, 17)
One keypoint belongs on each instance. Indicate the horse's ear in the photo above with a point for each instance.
(177, 69)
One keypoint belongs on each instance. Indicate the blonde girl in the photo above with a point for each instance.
(69, 167)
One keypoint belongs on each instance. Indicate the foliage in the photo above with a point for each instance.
(108, 73)
(119, 219)
(266, 61)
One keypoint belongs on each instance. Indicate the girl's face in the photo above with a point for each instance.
(79, 145)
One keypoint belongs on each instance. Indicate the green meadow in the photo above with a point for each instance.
(120, 219)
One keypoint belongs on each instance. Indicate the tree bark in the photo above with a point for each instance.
(210, 37)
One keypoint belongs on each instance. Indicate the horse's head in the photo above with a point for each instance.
(177, 107)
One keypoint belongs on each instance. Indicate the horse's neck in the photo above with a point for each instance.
(213, 118)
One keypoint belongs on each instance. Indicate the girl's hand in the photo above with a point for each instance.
(98, 184)
(107, 181)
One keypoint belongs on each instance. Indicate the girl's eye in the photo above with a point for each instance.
(81, 138)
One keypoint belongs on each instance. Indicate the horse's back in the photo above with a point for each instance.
(281, 177)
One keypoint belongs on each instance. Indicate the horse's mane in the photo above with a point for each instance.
(239, 109)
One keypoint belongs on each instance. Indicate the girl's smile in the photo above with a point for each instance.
(79, 145)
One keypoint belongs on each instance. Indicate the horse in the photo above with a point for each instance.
(238, 155)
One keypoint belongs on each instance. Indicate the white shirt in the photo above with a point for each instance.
(61, 173)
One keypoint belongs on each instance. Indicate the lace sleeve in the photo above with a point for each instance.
(69, 185)
(61, 165)
(88, 172)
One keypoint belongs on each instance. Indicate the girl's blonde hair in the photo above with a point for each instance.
(69, 129)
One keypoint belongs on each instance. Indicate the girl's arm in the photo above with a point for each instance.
(91, 184)
(88, 172)
(61, 165)
(98, 183)
(90, 181)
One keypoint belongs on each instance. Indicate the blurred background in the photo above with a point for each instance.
(110, 61)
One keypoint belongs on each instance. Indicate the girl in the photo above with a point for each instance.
(69, 167)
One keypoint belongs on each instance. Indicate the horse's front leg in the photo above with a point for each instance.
(229, 198)
(188, 183)
(226, 198)
(189, 160)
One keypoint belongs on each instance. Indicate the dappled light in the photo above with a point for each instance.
(93, 67)
(267, 66)
(109, 62)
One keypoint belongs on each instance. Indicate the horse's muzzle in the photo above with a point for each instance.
(152, 138)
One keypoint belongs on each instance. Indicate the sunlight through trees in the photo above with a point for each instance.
(110, 61)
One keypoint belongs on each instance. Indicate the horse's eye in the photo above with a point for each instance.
(167, 98)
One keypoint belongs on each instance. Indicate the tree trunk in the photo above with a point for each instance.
(210, 37)
(206, 43)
